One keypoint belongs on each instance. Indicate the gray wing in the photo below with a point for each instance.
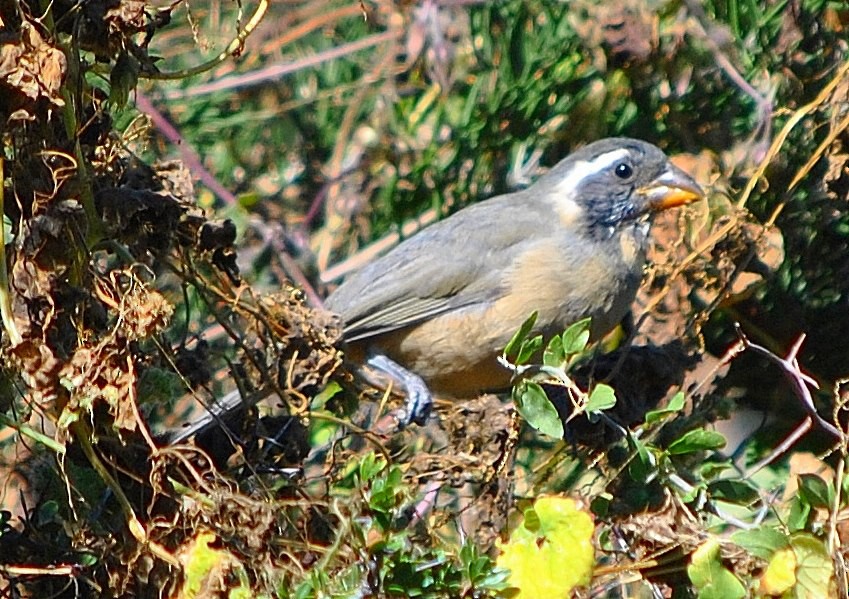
(452, 264)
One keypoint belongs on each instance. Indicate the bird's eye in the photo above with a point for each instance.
(623, 171)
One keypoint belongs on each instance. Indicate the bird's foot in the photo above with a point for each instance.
(419, 397)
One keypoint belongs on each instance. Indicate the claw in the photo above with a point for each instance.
(419, 397)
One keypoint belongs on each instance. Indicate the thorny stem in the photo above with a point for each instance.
(797, 378)
(782, 447)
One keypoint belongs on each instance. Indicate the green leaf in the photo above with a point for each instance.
(528, 348)
(814, 568)
(576, 337)
(203, 558)
(8, 230)
(761, 542)
(600, 504)
(676, 404)
(735, 491)
(320, 400)
(515, 344)
(307, 590)
(696, 440)
(516, 48)
(535, 407)
(370, 466)
(816, 491)
(532, 521)
(711, 579)
(797, 518)
(602, 397)
(248, 199)
(123, 79)
(48, 512)
(87, 559)
(553, 557)
(711, 470)
(554, 355)
(643, 466)
(471, 103)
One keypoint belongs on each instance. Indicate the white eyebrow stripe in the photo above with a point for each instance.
(585, 168)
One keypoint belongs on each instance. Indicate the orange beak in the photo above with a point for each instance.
(672, 188)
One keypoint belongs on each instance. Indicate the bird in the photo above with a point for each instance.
(436, 311)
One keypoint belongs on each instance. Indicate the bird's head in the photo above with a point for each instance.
(613, 183)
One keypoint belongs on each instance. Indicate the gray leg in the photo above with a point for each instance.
(419, 398)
